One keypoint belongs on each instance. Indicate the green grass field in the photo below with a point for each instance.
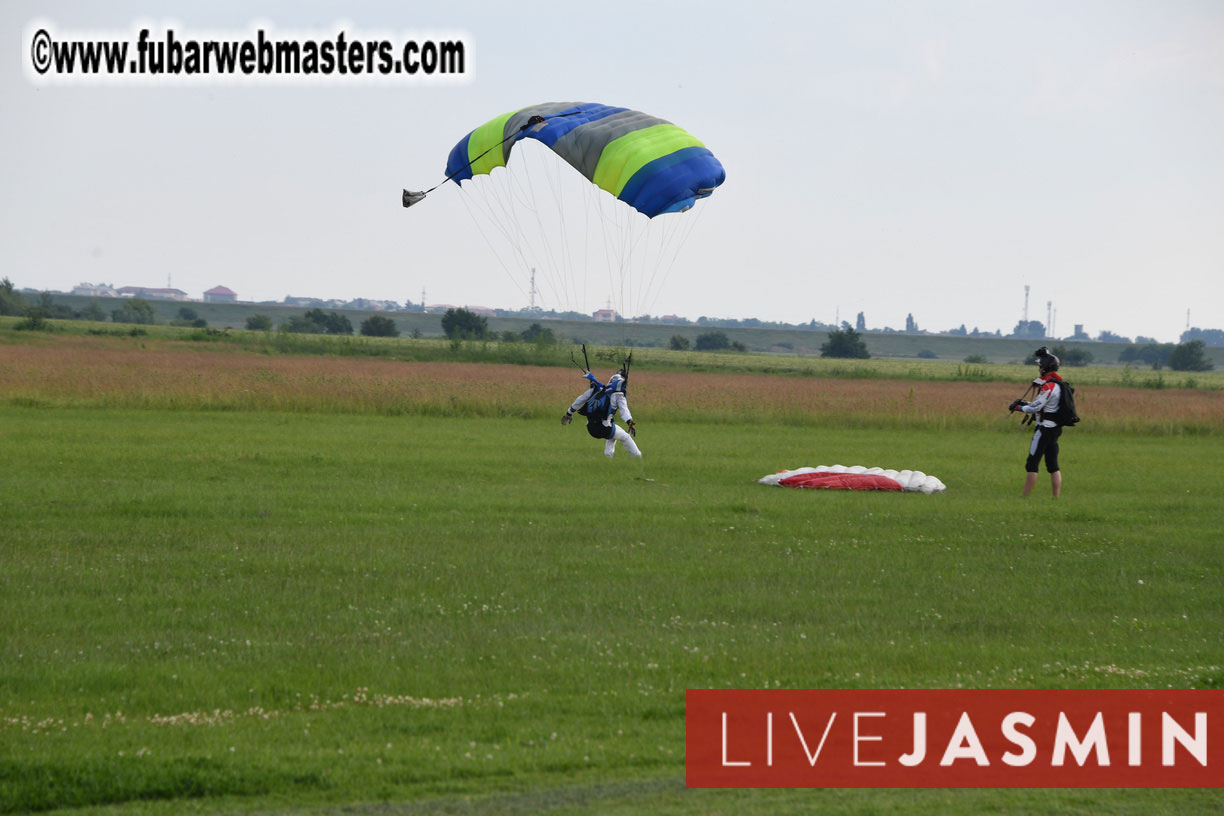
(252, 610)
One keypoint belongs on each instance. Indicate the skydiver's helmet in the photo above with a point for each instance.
(1047, 363)
(617, 382)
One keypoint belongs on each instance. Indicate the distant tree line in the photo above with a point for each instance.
(461, 324)
(13, 302)
(1210, 337)
(1072, 357)
(1187, 356)
(535, 333)
(845, 341)
(316, 321)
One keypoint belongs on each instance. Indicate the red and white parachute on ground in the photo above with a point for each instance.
(840, 477)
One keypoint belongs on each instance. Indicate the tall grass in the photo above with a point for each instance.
(604, 359)
(130, 373)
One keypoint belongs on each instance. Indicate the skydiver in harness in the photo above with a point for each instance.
(600, 403)
(1045, 436)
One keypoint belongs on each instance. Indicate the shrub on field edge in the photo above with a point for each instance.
(34, 320)
(460, 324)
(136, 310)
(379, 326)
(1189, 357)
(845, 343)
(188, 317)
(315, 321)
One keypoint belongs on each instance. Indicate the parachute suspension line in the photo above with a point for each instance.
(502, 196)
(633, 259)
(633, 242)
(544, 248)
(498, 206)
(623, 231)
(636, 242)
(513, 202)
(658, 237)
(624, 263)
(604, 227)
(520, 202)
(619, 275)
(562, 260)
(673, 237)
(589, 205)
(568, 236)
(655, 239)
(555, 249)
(553, 268)
(468, 205)
(520, 228)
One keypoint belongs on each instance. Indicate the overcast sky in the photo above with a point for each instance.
(892, 158)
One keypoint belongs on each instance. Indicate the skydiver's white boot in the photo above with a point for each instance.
(625, 439)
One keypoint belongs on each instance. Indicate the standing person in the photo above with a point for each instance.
(599, 404)
(1045, 435)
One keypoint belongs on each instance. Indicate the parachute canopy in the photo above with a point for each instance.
(646, 162)
(840, 477)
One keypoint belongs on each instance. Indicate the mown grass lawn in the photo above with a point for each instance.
(227, 611)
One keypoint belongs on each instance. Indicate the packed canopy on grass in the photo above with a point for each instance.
(840, 477)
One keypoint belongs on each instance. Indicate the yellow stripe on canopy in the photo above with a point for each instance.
(623, 157)
(489, 135)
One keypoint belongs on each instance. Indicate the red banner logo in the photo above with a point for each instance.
(962, 738)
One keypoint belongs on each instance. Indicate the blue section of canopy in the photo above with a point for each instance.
(673, 183)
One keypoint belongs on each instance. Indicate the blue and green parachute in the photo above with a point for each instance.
(647, 163)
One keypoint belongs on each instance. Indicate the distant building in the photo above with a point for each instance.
(95, 290)
(220, 294)
(604, 315)
(152, 293)
(483, 311)
(369, 305)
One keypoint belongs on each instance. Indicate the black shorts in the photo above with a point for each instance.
(597, 429)
(1044, 444)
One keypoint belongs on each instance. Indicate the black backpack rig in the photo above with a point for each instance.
(1066, 414)
(600, 403)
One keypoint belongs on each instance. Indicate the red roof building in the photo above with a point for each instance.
(220, 294)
